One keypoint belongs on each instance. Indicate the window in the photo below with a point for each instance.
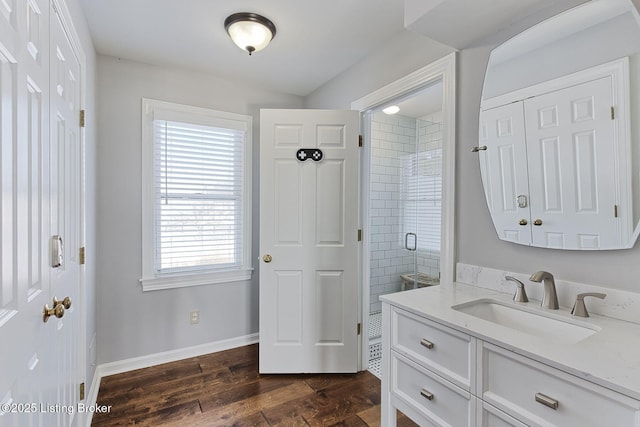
(421, 196)
(196, 198)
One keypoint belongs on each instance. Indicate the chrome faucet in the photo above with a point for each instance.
(549, 296)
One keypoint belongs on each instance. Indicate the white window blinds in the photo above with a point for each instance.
(198, 197)
(421, 196)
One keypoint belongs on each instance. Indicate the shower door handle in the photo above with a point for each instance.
(406, 241)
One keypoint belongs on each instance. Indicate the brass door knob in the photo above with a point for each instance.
(57, 311)
(523, 222)
(66, 302)
(267, 258)
(537, 222)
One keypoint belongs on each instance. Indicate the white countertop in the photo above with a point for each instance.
(610, 357)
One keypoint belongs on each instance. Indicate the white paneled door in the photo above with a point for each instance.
(571, 139)
(40, 178)
(504, 171)
(64, 184)
(550, 166)
(309, 171)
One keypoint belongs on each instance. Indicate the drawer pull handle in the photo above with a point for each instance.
(547, 401)
(426, 343)
(426, 394)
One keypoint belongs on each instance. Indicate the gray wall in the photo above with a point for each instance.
(476, 240)
(403, 54)
(89, 287)
(132, 323)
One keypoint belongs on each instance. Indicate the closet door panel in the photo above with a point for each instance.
(570, 134)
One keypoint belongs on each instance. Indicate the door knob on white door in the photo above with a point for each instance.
(47, 312)
(267, 258)
(66, 302)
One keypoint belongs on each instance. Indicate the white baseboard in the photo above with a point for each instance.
(92, 397)
(126, 365)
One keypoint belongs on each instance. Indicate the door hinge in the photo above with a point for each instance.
(360, 141)
(360, 235)
(613, 113)
(82, 256)
(82, 391)
(615, 211)
(81, 118)
(359, 328)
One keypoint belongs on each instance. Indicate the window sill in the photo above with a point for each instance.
(188, 280)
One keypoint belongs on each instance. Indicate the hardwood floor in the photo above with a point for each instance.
(225, 389)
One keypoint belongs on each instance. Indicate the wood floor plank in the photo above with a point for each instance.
(222, 415)
(351, 421)
(371, 416)
(332, 404)
(245, 390)
(226, 389)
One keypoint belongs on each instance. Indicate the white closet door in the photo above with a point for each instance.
(40, 182)
(26, 379)
(570, 139)
(64, 187)
(504, 171)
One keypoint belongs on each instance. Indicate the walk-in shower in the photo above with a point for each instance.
(404, 203)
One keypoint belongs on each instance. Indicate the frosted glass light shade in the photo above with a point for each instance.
(250, 31)
(393, 109)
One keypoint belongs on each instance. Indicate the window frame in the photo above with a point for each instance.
(152, 109)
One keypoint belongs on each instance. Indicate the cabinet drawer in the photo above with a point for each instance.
(439, 401)
(538, 394)
(445, 351)
(488, 416)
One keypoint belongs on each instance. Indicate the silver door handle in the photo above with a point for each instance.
(406, 241)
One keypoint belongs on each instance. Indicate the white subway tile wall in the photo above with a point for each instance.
(393, 145)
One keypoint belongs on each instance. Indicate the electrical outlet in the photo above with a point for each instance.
(195, 316)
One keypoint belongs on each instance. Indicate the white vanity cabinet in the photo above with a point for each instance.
(441, 376)
(428, 371)
(540, 395)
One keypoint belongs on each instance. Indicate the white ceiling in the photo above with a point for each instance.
(460, 23)
(315, 40)
(418, 104)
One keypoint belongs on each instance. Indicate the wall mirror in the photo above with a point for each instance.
(559, 137)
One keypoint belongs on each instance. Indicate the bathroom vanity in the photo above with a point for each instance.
(462, 355)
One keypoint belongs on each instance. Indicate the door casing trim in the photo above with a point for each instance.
(443, 70)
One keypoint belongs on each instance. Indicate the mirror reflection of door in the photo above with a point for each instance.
(563, 52)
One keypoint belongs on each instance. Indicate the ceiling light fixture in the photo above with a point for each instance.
(393, 109)
(250, 31)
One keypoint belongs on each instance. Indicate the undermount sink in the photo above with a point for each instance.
(527, 320)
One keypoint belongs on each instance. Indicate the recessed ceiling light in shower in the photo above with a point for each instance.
(393, 109)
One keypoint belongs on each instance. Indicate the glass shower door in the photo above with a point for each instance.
(408, 206)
